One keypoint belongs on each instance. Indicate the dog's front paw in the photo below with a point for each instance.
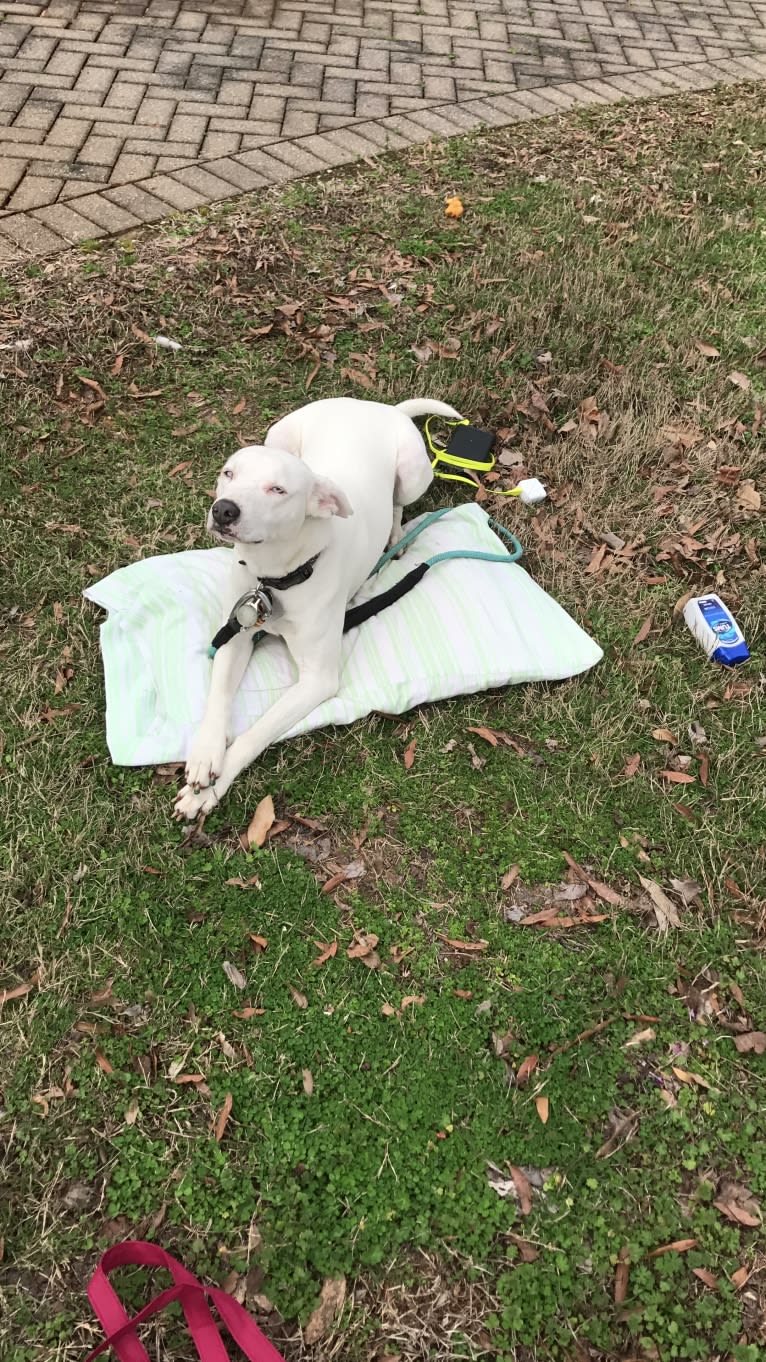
(205, 761)
(190, 803)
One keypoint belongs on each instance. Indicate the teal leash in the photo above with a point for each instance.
(512, 557)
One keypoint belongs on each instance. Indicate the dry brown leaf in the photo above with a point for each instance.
(602, 891)
(632, 765)
(103, 1063)
(259, 942)
(527, 1252)
(183, 1079)
(334, 882)
(298, 998)
(738, 1204)
(543, 1109)
(621, 1274)
(331, 1300)
(704, 768)
(239, 883)
(664, 908)
(526, 1069)
(686, 1076)
(644, 631)
(751, 1040)
(677, 1246)
(19, 991)
(706, 1277)
(308, 1082)
(640, 1038)
(739, 1277)
(245, 1013)
(223, 1117)
(409, 755)
(748, 496)
(239, 408)
(597, 559)
(664, 735)
(388, 1010)
(463, 993)
(523, 1188)
(486, 733)
(739, 380)
(327, 952)
(463, 945)
(234, 975)
(509, 877)
(413, 1000)
(708, 351)
(132, 1114)
(363, 944)
(260, 822)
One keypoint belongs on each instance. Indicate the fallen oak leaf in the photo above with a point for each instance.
(260, 943)
(632, 765)
(509, 877)
(621, 1275)
(748, 496)
(707, 1277)
(677, 1246)
(334, 882)
(298, 998)
(223, 1118)
(640, 1038)
(388, 1010)
(644, 631)
(708, 351)
(327, 952)
(331, 1301)
(736, 378)
(739, 1277)
(738, 1205)
(103, 1063)
(19, 991)
(686, 1076)
(260, 822)
(754, 1041)
(245, 1013)
(487, 734)
(463, 945)
(602, 891)
(543, 1109)
(308, 1082)
(526, 1069)
(664, 908)
(412, 1000)
(678, 777)
(704, 763)
(523, 1188)
(466, 993)
(664, 735)
(409, 755)
(234, 975)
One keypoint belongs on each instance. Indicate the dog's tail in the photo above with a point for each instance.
(424, 406)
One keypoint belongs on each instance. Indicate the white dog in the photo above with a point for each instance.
(324, 493)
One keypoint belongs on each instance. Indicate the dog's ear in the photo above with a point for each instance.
(326, 499)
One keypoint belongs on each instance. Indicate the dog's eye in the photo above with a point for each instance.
(227, 473)
(280, 491)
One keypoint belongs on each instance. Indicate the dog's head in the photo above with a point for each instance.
(266, 494)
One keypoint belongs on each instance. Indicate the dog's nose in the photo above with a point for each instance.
(225, 513)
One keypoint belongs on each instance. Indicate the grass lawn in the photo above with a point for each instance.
(601, 303)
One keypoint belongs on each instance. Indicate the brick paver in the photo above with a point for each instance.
(118, 112)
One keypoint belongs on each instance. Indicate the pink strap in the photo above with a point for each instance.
(120, 1329)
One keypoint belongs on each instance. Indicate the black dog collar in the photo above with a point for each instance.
(255, 606)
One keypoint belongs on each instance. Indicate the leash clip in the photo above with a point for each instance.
(253, 608)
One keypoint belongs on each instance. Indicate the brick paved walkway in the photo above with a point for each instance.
(118, 112)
